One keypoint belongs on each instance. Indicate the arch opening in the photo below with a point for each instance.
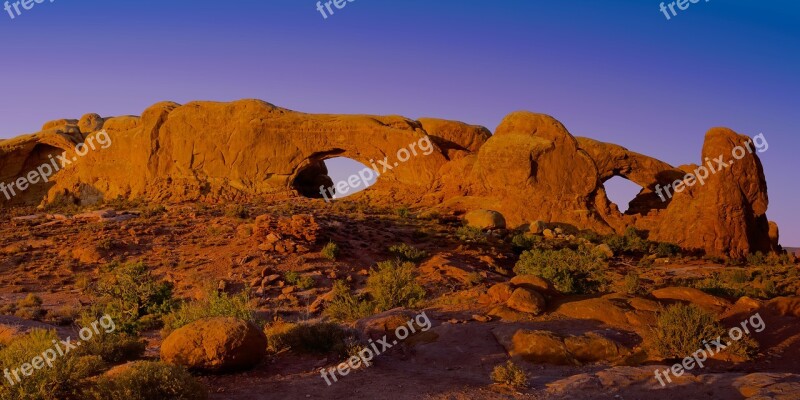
(622, 192)
(333, 178)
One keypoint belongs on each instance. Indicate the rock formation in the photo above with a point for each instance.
(531, 169)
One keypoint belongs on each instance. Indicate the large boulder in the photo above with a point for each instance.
(485, 219)
(219, 344)
(526, 300)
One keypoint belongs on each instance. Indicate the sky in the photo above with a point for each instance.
(617, 71)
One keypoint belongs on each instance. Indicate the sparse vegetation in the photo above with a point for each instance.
(309, 338)
(129, 292)
(680, 330)
(30, 307)
(407, 252)
(303, 282)
(393, 284)
(330, 251)
(470, 234)
(238, 211)
(66, 379)
(633, 283)
(150, 380)
(570, 271)
(214, 304)
(510, 374)
(345, 306)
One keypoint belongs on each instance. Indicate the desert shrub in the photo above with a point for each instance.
(150, 380)
(470, 234)
(403, 212)
(570, 271)
(66, 379)
(214, 304)
(663, 249)
(152, 211)
(756, 259)
(330, 251)
(302, 282)
(681, 329)
(238, 211)
(130, 292)
(393, 284)
(523, 241)
(630, 242)
(309, 338)
(30, 307)
(407, 252)
(738, 275)
(510, 374)
(633, 283)
(112, 347)
(104, 244)
(591, 236)
(345, 306)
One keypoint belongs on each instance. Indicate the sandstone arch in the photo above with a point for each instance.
(531, 169)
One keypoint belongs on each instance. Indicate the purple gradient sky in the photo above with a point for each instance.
(613, 70)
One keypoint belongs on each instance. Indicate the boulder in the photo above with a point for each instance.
(537, 227)
(527, 300)
(485, 219)
(220, 344)
(592, 347)
(692, 295)
(541, 347)
(500, 293)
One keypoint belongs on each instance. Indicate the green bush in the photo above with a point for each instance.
(470, 234)
(150, 380)
(633, 283)
(345, 306)
(238, 211)
(215, 304)
(510, 374)
(302, 282)
(630, 242)
(681, 329)
(403, 212)
(152, 211)
(524, 241)
(406, 252)
(112, 347)
(393, 284)
(664, 250)
(30, 308)
(309, 338)
(130, 292)
(330, 251)
(66, 379)
(570, 271)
